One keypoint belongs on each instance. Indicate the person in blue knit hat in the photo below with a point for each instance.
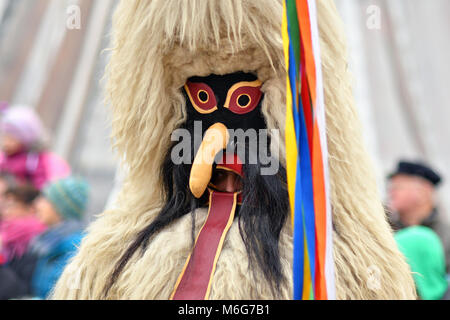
(63, 200)
(61, 207)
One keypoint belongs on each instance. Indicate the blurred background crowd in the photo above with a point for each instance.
(57, 170)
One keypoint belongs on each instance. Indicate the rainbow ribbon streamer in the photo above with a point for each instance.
(306, 154)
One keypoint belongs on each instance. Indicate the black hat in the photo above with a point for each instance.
(417, 169)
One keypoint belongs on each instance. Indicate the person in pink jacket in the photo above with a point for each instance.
(19, 224)
(23, 146)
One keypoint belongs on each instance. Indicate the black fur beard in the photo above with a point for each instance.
(262, 216)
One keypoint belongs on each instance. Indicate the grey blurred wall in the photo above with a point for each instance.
(402, 77)
(52, 58)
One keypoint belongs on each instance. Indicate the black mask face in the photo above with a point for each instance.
(235, 101)
(232, 99)
(232, 103)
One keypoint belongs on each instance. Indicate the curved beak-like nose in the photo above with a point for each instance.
(216, 139)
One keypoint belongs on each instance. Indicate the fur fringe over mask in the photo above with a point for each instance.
(157, 45)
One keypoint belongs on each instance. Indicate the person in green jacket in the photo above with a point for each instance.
(425, 254)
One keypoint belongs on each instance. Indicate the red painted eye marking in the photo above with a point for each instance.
(201, 96)
(244, 97)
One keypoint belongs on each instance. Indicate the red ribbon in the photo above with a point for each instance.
(194, 282)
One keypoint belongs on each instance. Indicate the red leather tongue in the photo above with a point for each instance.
(194, 282)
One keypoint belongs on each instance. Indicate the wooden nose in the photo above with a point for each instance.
(215, 139)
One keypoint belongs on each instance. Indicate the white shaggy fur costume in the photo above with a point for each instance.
(157, 46)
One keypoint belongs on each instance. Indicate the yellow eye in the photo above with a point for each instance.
(244, 97)
(203, 96)
(244, 100)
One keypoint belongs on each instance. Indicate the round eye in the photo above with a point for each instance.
(201, 97)
(244, 97)
(244, 100)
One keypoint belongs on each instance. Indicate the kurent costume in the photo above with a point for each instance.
(210, 67)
